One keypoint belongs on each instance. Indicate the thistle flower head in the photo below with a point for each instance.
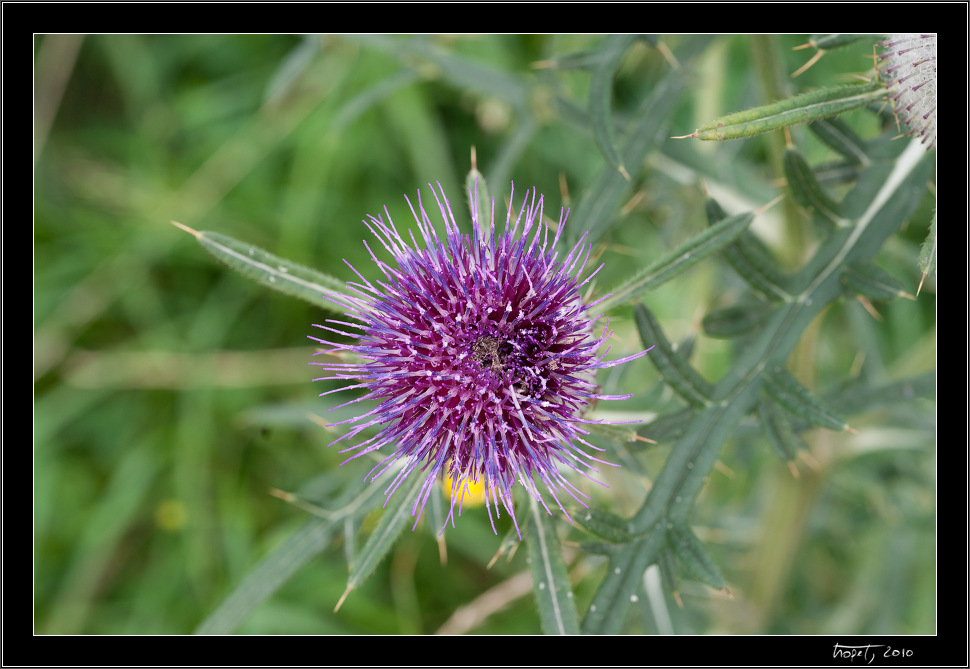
(480, 353)
(909, 69)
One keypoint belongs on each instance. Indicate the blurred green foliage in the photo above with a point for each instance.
(172, 397)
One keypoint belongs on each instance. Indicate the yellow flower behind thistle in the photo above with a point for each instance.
(474, 490)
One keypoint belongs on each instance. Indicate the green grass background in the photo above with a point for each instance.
(171, 395)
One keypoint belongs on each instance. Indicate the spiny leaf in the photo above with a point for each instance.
(872, 281)
(685, 256)
(550, 582)
(751, 260)
(779, 430)
(754, 263)
(829, 41)
(692, 553)
(623, 581)
(870, 182)
(791, 394)
(841, 138)
(803, 108)
(738, 391)
(604, 524)
(735, 321)
(620, 434)
(600, 98)
(669, 427)
(666, 561)
(596, 212)
(927, 254)
(807, 192)
(397, 514)
(677, 372)
(270, 270)
(285, 560)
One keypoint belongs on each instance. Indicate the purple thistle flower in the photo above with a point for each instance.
(480, 353)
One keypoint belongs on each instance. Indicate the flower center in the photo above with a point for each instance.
(517, 359)
(491, 352)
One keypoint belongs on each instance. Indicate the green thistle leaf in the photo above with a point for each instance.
(751, 260)
(803, 108)
(677, 372)
(734, 321)
(692, 553)
(791, 394)
(270, 270)
(601, 94)
(927, 254)
(550, 582)
(397, 515)
(685, 256)
(808, 193)
(842, 139)
(604, 524)
(872, 281)
(778, 428)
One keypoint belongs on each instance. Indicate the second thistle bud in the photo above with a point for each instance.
(909, 69)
